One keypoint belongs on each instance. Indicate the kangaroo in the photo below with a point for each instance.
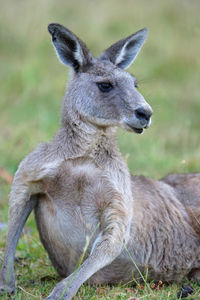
(81, 190)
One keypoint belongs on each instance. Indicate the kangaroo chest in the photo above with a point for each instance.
(69, 210)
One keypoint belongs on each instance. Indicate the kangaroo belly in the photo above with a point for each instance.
(63, 232)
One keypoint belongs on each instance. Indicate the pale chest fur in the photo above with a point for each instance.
(75, 199)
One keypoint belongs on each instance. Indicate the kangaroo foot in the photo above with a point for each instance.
(6, 289)
(7, 285)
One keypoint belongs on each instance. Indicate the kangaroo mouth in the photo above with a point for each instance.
(136, 130)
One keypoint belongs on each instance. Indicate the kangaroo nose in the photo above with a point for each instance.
(143, 114)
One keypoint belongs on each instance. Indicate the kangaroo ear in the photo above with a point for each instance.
(70, 50)
(124, 52)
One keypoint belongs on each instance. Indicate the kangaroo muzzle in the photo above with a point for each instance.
(143, 116)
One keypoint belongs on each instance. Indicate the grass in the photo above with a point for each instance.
(32, 84)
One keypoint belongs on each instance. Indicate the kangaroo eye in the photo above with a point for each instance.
(105, 87)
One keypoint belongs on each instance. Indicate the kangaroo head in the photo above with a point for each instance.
(101, 91)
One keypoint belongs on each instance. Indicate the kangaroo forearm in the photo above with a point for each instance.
(15, 227)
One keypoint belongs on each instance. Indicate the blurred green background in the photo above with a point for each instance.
(33, 82)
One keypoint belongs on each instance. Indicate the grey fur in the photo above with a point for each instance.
(81, 187)
(124, 52)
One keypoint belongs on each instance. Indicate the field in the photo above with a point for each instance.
(32, 85)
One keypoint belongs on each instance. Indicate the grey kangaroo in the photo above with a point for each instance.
(80, 187)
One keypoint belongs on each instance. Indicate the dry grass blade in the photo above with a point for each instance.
(6, 176)
(23, 290)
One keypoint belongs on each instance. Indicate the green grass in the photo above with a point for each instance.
(32, 85)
